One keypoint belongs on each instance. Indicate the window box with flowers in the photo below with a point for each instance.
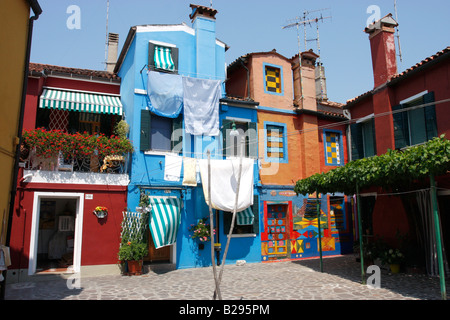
(201, 231)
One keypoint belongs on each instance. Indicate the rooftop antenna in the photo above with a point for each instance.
(106, 41)
(398, 32)
(297, 22)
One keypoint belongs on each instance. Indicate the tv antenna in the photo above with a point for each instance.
(398, 32)
(106, 41)
(304, 21)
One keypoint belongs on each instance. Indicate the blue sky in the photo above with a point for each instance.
(250, 26)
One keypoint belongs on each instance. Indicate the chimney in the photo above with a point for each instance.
(321, 83)
(305, 80)
(204, 23)
(382, 45)
(113, 45)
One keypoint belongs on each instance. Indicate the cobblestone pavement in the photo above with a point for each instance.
(286, 280)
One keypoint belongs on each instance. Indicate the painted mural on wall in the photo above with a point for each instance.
(291, 226)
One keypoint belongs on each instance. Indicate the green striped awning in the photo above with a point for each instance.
(80, 101)
(163, 58)
(245, 218)
(165, 220)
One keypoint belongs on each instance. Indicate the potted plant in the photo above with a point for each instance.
(394, 257)
(144, 203)
(132, 252)
(201, 231)
(101, 212)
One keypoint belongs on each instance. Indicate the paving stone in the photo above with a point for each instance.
(286, 280)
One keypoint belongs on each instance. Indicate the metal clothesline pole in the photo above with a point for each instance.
(234, 213)
(211, 224)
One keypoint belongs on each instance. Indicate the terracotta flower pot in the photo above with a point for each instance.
(134, 267)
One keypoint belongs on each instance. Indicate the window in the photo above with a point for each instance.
(162, 57)
(415, 126)
(251, 226)
(160, 133)
(332, 144)
(276, 142)
(232, 145)
(363, 139)
(273, 80)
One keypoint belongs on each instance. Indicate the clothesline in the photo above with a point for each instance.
(192, 74)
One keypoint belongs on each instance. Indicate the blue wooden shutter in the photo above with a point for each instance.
(226, 127)
(177, 138)
(430, 116)
(357, 141)
(401, 127)
(253, 140)
(145, 130)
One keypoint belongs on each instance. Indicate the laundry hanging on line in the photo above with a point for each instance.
(189, 172)
(224, 182)
(201, 106)
(169, 93)
(165, 91)
(172, 167)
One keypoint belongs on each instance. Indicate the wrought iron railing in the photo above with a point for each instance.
(111, 164)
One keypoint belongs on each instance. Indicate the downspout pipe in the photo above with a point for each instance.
(248, 78)
(37, 10)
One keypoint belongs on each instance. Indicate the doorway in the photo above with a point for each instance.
(55, 244)
(161, 255)
(277, 231)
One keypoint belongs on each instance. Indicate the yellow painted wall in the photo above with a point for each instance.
(14, 15)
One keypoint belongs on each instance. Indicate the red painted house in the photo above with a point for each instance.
(54, 228)
(379, 124)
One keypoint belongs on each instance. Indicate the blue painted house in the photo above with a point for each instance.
(160, 57)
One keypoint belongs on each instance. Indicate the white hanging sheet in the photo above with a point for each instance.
(224, 179)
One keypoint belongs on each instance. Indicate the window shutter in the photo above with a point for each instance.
(177, 134)
(374, 138)
(430, 116)
(151, 56)
(145, 130)
(357, 141)
(255, 209)
(226, 126)
(175, 59)
(252, 135)
(401, 130)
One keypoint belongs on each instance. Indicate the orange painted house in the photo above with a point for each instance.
(292, 145)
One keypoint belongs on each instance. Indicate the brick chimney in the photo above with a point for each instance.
(382, 45)
(305, 80)
(113, 44)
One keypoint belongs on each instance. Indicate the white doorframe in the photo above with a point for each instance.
(35, 227)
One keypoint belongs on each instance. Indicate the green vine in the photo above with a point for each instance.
(392, 170)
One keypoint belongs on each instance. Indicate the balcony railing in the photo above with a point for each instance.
(60, 151)
(109, 164)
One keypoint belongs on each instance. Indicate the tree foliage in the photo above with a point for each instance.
(393, 170)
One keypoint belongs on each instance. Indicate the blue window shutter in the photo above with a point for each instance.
(401, 128)
(430, 116)
(226, 127)
(145, 130)
(357, 141)
(253, 140)
(177, 134)
(151, 56)
(255, 209)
